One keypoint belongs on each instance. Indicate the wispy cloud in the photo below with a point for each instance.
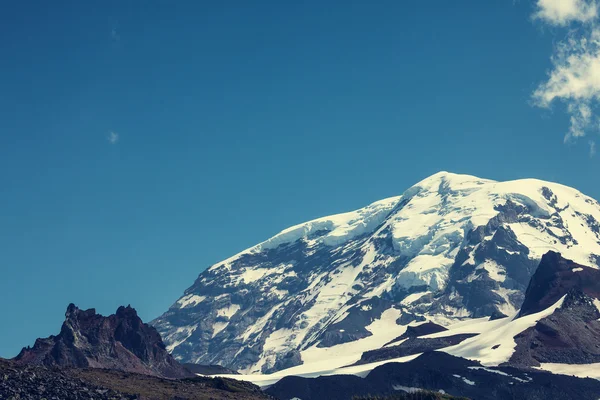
(113, 137)
(563, 12)
(592, 148)
(575, 75)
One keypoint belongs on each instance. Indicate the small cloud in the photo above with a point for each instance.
(592, 148)
(113, 137)
(563, 12)
(114, 35)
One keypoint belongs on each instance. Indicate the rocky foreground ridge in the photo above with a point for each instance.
(19, 381)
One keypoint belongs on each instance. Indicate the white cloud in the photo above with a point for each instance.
(113, 137)
(563, 12)
(575, 75)
(592, 148)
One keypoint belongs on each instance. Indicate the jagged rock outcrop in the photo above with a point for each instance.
(554, 278)
(120, 341)
(571, 334)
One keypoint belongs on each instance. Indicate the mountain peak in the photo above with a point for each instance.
(120, 341)
(126, 312)
(75, 313)
(450, 247)
(443, 181)
(450, 176)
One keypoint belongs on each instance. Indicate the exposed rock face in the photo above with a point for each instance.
(120, 341)
(413, 345)
(451, 247)
(210, 369)
(419, 330)
(554, 278)
(571, 335)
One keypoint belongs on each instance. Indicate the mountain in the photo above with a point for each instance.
(120, 341)
(450, 248)
(556, 331)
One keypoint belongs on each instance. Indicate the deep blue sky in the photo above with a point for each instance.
(235, 121)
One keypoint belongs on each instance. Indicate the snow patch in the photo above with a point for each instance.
(316, 370)
(465, 380)
(597, 304)
(218, 327)
(179, 336)
(413, 297)
(190, 300)
(579, 370)
(495, 371)
(496, 344)
(228, 311)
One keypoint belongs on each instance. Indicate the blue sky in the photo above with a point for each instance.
(141, 142)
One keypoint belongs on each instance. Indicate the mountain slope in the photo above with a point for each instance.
(440, 372)
(120, 341)
(558, 331)
(450, 247)
(34, 382)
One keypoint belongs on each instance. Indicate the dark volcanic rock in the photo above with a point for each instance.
(38, 382)
(417, 395)
(323, 387)
(148, 387)
(210, 369)
(437, 371)
(413, 345)
(424, 329)
(571, 335)
(497, 315)
(419, 330)
(35, 382)
(120, 341)
(554, 277)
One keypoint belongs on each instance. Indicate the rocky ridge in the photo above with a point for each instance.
(120, 341)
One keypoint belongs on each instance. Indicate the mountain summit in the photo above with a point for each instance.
(451, 247)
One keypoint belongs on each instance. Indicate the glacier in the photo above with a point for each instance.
(450, 248)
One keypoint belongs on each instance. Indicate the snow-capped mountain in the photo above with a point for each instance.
(541, 352)
(449, 248)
